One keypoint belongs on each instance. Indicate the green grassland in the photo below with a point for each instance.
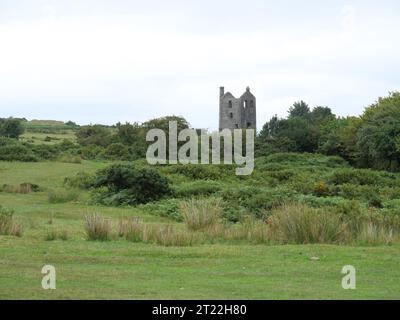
(48, 138)
(120, 269)
(46, 132)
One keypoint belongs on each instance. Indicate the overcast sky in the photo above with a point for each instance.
(97, 61)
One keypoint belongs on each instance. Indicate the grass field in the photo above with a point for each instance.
(120, 269)
(47, 132)
(48, 138)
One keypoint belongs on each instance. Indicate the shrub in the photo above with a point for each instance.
(128, 184)
(7, 224)
(201, 213)
(117, 151)
(282, 175)
(254, 200)
(62, 196)
(355, 176)
(46, 152)
(70, 158)
(81, 180)
(321, 189)
(199, 171)
(168, 208)
(197, 188)
(17, 152)
(319, 202)
(374, 201)
(305, 159)
(93, 135)
(97, 228)
(92, 152)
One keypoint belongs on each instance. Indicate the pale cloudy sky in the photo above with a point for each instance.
(97, 61)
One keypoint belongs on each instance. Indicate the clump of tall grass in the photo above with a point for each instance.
(298, 223)
(55, 234)
(8, 226)
(23, 188)
(97, 227)
(69, 158)
(252, 230)
(200, 214)
(62, 196)
(249, 230)
(373, 234)
(131, 229)
(169, 236)
(135, 230)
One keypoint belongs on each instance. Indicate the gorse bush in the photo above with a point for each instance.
(128, 184)
(17, 152)
(200, 214)
(92, 152)
(303, 159)
(8, 226)
(257, 201)
(197, 188)
(97, 228)
(355, 176)
(200, 172)
(168, 208)
(117, 151)
(81, 180)
(321, 189)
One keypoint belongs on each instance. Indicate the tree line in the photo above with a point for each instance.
(371, 140)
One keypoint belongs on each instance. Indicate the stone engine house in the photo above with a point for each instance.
(237, 113)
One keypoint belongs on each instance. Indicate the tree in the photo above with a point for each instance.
(299, 109)
(321, 115)
(378, 135)
(339, 137)
(163, 123)
(11, 128)
(130, 134)
(93, 135)
(71, 124)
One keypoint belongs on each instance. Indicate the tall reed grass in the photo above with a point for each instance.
(300, 224)
(200, 214)
(8, 225)
(97, 227)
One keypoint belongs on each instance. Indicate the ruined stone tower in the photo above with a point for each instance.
(237, 113)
